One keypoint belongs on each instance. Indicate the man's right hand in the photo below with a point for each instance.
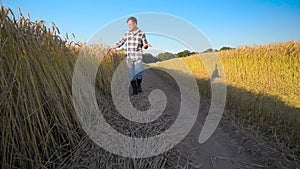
(112, 48)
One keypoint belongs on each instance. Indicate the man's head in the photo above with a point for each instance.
(132, 23)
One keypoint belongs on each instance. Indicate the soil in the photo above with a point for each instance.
(230, 147)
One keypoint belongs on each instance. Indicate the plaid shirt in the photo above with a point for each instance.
(134, 43)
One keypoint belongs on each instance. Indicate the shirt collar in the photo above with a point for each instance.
(136, 31)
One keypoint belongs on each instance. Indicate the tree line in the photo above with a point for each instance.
(185, 53)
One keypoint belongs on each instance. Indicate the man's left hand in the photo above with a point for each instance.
(146, 46)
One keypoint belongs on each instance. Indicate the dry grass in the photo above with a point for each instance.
(39, 127)
(263, 89)
(38, 123)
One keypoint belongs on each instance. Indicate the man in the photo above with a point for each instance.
(135, 40)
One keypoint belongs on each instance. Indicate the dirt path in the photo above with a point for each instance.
(226, 149)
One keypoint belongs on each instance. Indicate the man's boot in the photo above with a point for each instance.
(139, 86)
(134, 87)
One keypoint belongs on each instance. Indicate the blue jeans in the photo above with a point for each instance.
(135, 68)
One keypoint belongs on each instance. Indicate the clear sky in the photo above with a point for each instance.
(224, 22)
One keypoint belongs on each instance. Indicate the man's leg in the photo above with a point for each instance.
(139, 75)
(131, 71)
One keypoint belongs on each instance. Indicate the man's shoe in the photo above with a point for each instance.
(139, 86)
(134, 87)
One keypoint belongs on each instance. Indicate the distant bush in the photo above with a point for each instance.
(166, 56)
(185, 53)
(226, 48)
(149, 58)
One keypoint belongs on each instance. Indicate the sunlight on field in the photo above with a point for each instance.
(263, 86)
(272, 70)
(38, 122)
(39, 125)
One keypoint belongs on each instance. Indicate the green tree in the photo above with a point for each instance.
(226, 48)
(166, 56)
(149, 58)
(185, 53)
(208, 50)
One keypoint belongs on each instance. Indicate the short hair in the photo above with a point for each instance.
(133, 19)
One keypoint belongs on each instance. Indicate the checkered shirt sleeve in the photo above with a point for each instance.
(134, 44)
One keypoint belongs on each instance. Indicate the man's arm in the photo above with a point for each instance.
(120, 43)
(144, 41)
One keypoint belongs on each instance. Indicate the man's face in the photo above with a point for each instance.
(131, 25)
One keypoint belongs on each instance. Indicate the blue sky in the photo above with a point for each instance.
(225, 23)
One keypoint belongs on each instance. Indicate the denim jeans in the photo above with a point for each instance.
(135, 68)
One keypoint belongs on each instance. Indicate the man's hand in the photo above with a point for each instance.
(112, 48)
(147, 45)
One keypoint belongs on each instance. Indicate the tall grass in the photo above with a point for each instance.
(39, 127)
(272, 69)
(38, 123)
(263, 88)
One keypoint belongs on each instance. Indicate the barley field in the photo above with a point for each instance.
(263, 88)
(38, 123)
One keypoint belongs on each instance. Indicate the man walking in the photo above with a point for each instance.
(135, 40)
